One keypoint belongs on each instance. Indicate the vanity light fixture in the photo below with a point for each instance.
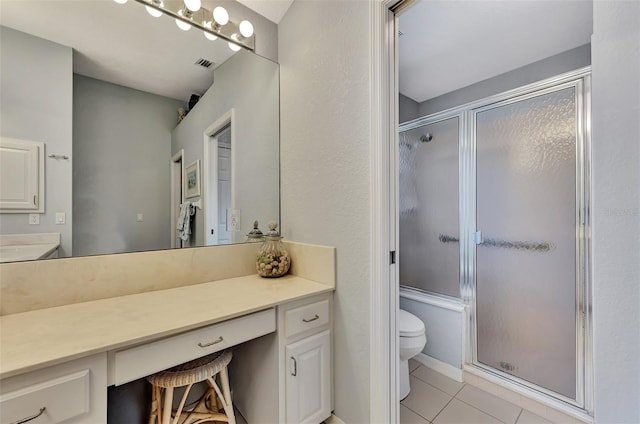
(185, 13)
(246, 29)
(214, 24)
(234, 46)
(221, 16)
(193, 5)
(156, 13)
(208, 35)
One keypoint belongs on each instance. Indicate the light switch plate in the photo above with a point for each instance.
(234, 220)
(139, 217)
(60, 218)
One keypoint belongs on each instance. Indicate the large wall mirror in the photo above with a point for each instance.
(101, 85)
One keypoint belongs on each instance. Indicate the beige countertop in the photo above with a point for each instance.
(36, 339)
(26, 247)
(26, 252)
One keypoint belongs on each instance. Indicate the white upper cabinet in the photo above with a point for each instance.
(21, 176)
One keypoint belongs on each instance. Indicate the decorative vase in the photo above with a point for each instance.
(255, 235)
(273, 259)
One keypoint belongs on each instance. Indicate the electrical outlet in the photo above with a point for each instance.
(34, 219)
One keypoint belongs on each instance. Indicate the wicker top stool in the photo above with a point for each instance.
(214, 405)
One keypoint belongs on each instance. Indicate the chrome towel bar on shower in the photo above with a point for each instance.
(519, 245)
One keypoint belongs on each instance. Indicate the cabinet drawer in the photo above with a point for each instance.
(62, 398)
(306, 317)
(140, 361)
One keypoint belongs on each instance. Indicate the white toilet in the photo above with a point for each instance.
(412, 341)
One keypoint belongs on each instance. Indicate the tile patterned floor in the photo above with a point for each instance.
(436, 399)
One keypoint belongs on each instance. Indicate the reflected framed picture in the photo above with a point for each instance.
(192, 180)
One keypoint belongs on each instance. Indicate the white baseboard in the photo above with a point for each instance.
(439, 366)
(333, 420)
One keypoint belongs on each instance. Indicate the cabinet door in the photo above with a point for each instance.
(21, 175)
(309, 379)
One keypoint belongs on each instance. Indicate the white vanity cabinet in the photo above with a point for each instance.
(74, 392)
(307, 357)
(308, 382)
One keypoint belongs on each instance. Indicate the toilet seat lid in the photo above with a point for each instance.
(409, 325)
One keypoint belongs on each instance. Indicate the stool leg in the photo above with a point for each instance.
(158, 390)
(226, 391)
(182, 401)
(153, 413)
(168, 404)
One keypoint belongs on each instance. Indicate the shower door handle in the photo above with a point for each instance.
(479, 240)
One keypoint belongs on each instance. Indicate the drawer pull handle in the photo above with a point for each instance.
(33, 417)
(310, 320)
(220, 339)
(295, 367)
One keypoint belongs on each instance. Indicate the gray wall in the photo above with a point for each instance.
(121, 150)
(249, 84)
(409, 109)
(616, 209)
(325, 145)
(546, 68)
(36, 105)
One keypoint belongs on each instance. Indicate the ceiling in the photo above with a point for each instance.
(122, 44)
(447, 45)
(273, 10)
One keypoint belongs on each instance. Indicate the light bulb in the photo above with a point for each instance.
(155, 12)
(120, 1)
(220, 15)
(234, 47)
(193, 5)
(208, 35)
(182, 24)
(246, 29)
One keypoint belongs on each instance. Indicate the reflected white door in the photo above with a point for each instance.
(224, 193)
(219, 186)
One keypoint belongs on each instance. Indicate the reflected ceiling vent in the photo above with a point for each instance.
(204, 63)
(400, 33)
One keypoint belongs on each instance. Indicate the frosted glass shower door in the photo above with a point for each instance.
(526, 253)
(428, 197)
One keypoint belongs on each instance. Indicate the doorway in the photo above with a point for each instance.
(218, 181)
(177, 195)
(222, 140)
(385, 156)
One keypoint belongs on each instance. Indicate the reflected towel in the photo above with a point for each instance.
(184, 221)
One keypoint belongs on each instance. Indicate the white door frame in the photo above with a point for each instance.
(211, 214)
(384, 354)
(178, 156)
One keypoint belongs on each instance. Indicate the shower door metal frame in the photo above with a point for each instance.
(581, 81)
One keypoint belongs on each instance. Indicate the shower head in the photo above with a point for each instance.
(426, 138)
